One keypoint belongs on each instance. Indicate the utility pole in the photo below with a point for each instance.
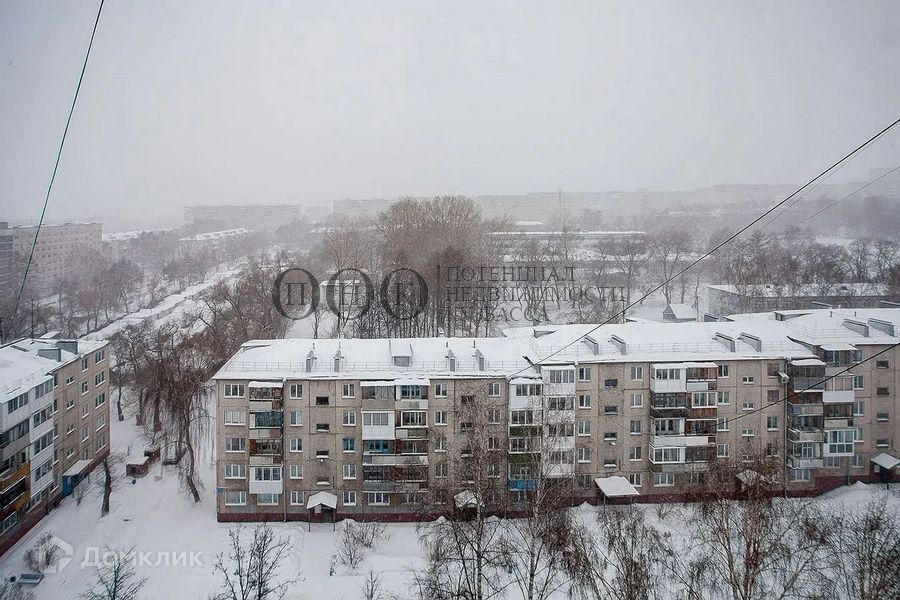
(32, 317)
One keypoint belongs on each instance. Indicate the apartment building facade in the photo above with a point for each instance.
(378, 424)
(55, 424)
(61, 251)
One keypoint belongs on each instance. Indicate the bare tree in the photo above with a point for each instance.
(251, 572)
(111, 480)
(43, 554)
(115, 578)
(864, 544)
(371, 587)
(11, 590)
(757, 546)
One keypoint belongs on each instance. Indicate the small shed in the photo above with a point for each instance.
(321, 503)
(885, 465)
(679, 313)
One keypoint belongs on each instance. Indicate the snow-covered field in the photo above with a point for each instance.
(176, 541)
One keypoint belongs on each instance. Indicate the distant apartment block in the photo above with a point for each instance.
(54, 418)
(268, 217)
(727, 299)
(368, 425)
(7, 254)
(213, 240)
(61, 251)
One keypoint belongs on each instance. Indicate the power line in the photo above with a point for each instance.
(58, 156)
(709, 253)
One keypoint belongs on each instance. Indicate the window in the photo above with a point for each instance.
(55, 380)
(321, 400)
(100, 423)
(610, 409)
(635, 453)
(348, 444)
(376, 419)
(440, 390)
(723, 450)
(665, 374)
(636, 479)
(84, 388)
(235, 471)
(637, 373)
(235, 444)
(748, 432)
(493, 389)
(440, 469)
(495, 416)
(857, 461)
(296, 471)
(723, 398)
(667, 455)
(298, 497)
(348, 498)
(882, 417)
(562, 376)
(84, 363)
(610, 383)
(234, 390)
(748, 379)
(267, 499)
(348, 391)
(296, 418)
(521, 417)
(584, 428)
(800, 474)
(296, 390)
(637, 400)
(296, 444)
(772, 423)
(772, 396)
(348, 471)
(99, 378)
(235, 498)
(440, 417)
(100, 400)
(440, 443)
(413, 418)
(235, 417)
(528, 390)
(882, 442)
(493, 443)
(266, 473)
(634, 427)
(100, 444)
(858, 437)
(859, 408)
(401, 361)
(771, 369)
(663, 479)
(723, 371)
(323, 454)
(882, 391)
(584, 373)
(722, 424)
(881, 364)
(349, 418)
(560, 403)
(703, 400)
(748, 405)
(70, 380)
(378, 498)
(584, 454)
(584, 400)
(858, 382)
(323, 427)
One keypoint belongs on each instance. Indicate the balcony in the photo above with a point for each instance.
(11, 477)
(377, 459)
(265, 434)
(411, 433)
(681, 441)
(411, 404)
(262, 460)
(805, 410)
(265, 405)
(804, 435)
(266, 487)
(805, 463)
(521, 483)
(559, 470)
(838, 396)
(808, 384)
(838, 423)
(267, 419)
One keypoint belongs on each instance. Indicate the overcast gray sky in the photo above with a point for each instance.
(267, 102)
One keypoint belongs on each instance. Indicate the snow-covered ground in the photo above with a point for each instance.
(176, 541)
(164, 527)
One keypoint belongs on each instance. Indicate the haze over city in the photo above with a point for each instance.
(298, 102)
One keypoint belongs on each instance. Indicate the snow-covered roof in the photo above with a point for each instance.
(808, 362)
(466, 499)
(682, 311)
(885, 460)
(216, 235)
(21, 370)
(616, 487)
(77, 468)
(811, 290)
(831, 329)
(322, 499)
